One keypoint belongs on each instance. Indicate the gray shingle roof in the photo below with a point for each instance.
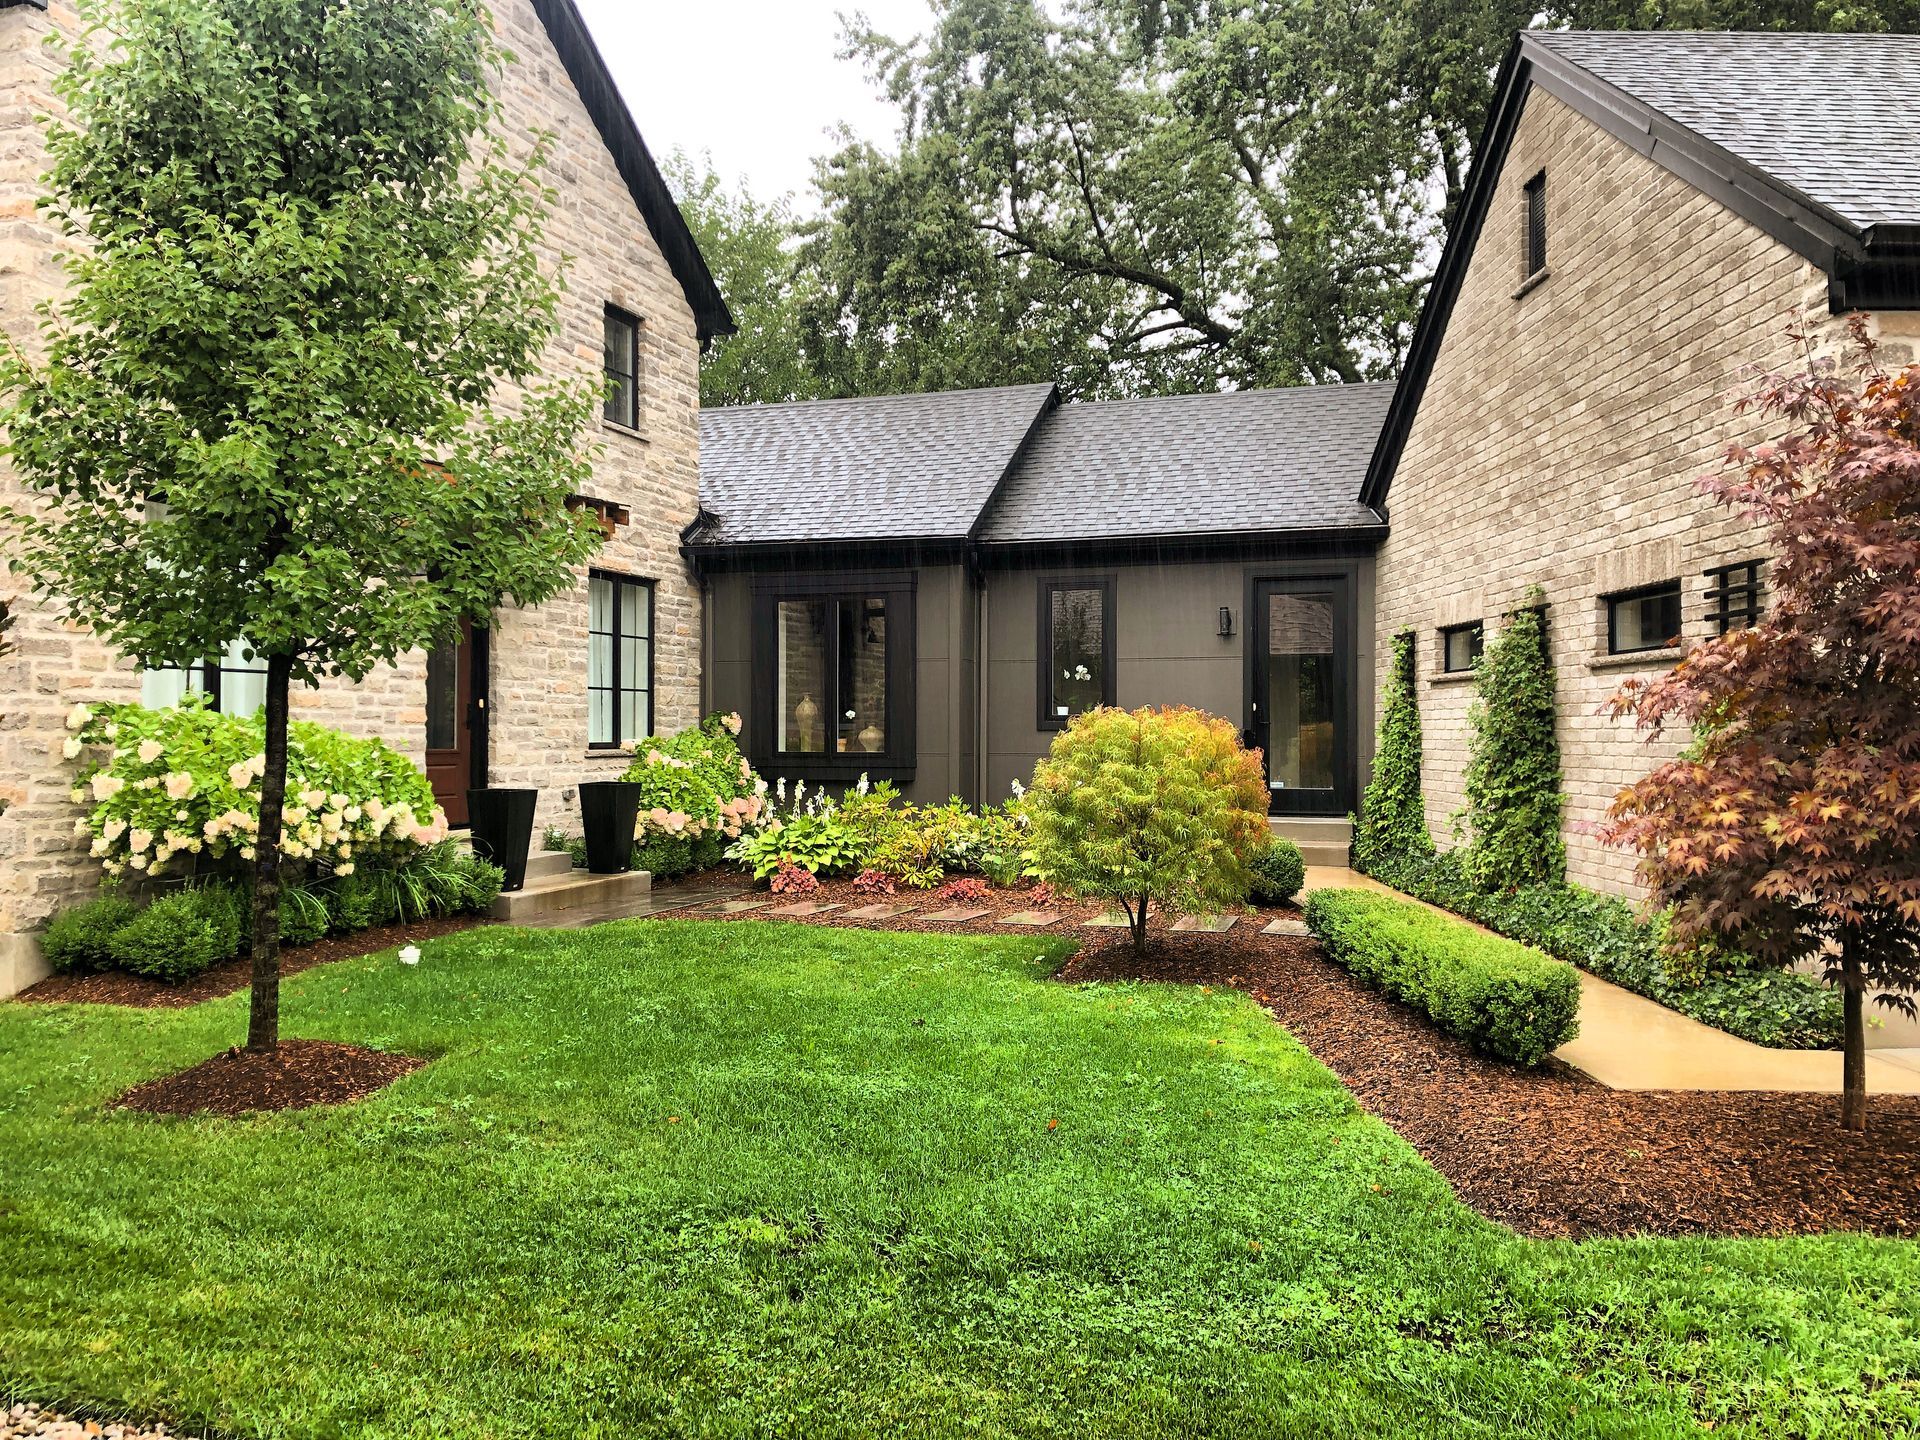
(892, 467)
(1829, 115)
(1245, 462)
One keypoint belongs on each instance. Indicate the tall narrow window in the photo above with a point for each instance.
(1537, 224)
(1076, 649)
(1646, 619)
(619, 660)
(1733, 596)
(623, 368)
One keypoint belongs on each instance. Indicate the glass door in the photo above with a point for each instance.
(1302, 700)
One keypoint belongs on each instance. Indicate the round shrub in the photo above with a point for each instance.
(303, 916)
(359, 902)
(480, 882)
(181, 934)
(1278, 872)
(82, 938)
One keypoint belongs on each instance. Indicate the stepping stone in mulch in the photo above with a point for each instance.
(1287, 927)
(1206, 924)
(1112, 920)
(741, 907)
(1038, 919)
(878, 912)
(955, 916)
(806, 907)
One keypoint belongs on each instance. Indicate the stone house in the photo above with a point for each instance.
(544, 696)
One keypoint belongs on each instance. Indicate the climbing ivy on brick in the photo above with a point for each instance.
(1393, 817)
(1514, 800)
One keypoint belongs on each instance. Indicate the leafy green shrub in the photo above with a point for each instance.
(817, 842)
(1149, 807)
(1514, 803)
(695, 785)
(82, 938)
(182, 934)
(1499, 996)
(1393, 815)
(303, 915)
(664, 856)
(1278, 872)
(1602, 935)
(359, 901)
(480, 882)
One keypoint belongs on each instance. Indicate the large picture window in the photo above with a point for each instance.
(838, 662)
(619, 660)
(1076, 650)
(236, 682)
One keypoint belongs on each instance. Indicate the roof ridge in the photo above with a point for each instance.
(763, 406)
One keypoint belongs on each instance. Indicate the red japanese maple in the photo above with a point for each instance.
(1791, 827)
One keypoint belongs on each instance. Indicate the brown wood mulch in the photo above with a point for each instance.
(115, 987)
(298, 1075)
(1548, 1152)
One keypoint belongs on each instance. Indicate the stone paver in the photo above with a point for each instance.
(1286, 927)
(806, 908)
(1035, 919)
(741, 907)
(1112, 920)
(956, 915)
(1206, 924)
(878, 912)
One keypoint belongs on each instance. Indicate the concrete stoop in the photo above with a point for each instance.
(1323, 840)
(552, 888)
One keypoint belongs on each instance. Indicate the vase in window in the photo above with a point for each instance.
(806, 717)
(873, 739)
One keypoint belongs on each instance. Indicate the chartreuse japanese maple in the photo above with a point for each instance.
(310, 260)
(1791, 827)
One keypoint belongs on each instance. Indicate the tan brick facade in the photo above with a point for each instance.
(539, 657)
(1560, 434)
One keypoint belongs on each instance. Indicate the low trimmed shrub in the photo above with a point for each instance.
(1278, 873)
(303, 915)
(182, 934)
(359, 901)
(1498, 995)
(82, 938)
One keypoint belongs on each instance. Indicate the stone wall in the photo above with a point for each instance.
(538, 679)
(1562, 429)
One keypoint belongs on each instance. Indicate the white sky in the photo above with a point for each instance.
(754, 82)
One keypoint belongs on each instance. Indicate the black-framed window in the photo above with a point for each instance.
(1461, 647)
(1536, 220)
(1734, 596)
(236, 683)
(833, 657)
(1076, 649)
(1645, 619)
(623, 367)
(619, 660)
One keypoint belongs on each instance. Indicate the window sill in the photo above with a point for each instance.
(613, 754)
(626, 430)
(1640, 659)
(1533, 282)
(1453, 677)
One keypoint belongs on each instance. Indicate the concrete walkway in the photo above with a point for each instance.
(1628, 1042)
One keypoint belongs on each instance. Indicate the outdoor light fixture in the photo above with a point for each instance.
(1226, 621)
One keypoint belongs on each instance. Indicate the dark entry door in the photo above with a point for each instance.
(456, 720)
(1301, 635)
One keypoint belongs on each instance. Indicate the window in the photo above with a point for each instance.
(1646, 619)
(1733, 596)
(619, 660)
(1461, 647)
(1076, 649)
(1536, 238)
(623, 368)
(236, 682)
(837, 654)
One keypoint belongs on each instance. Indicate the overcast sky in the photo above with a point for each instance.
(755, 82)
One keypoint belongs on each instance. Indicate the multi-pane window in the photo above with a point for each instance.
(1076, 649)
(832, 675)
(1536, 238)
(1647, 619)
(1461, 647)
(619, 660)
(1733, 596)
(623, 368)
(236, 683)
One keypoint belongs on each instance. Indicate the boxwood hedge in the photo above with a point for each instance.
(1499, 996)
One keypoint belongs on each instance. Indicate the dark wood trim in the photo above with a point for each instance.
(1343, 577)
(1045, 585)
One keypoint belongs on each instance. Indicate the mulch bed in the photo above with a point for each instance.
(1548, 1152)
(298, 1075)
(114, 987)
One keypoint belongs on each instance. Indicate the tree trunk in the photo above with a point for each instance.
(1137, 919)
(1853, 1067)
(263, 1018)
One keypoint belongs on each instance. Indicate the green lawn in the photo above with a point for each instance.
(865, 1222)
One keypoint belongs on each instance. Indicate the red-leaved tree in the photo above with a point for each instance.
(1791, 827)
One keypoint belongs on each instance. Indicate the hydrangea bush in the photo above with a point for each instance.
(168, 789)
(696, 784)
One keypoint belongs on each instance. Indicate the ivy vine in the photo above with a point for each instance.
(1514, 801)
(1393, 819)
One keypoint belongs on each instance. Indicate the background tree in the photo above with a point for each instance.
(1149, 807)
(1512, 781)
(1393, 816)
(1791, 828)
(310, 262)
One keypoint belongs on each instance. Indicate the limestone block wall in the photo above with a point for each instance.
(1562, 430)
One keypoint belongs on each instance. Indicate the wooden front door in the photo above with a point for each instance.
(1300, 633)
(456, 720)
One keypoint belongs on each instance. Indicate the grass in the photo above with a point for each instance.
(732, 1180)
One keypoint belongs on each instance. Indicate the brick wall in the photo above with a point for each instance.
(1560, 434)
(539, 656)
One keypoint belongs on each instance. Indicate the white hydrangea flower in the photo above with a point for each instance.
(114, 829)
(150, 751)
(179, 785)
(345, 868)
(106, 786)
(71, 747)
(78, 716)
(140, 840)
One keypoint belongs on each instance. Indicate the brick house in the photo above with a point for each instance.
(521, 704)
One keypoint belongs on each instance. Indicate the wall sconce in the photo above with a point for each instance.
(1226, 622)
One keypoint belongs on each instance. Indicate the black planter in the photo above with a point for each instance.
(502, 829)
(608, 810)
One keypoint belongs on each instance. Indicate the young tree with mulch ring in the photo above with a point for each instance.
(1514, 801)
(307, 261)
(1393, 813)
(1149, 807)
(1791, 827)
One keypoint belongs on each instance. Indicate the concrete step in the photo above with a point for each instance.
(1323, 839)
(572, 890)
(1334, 857)
(542, 863)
